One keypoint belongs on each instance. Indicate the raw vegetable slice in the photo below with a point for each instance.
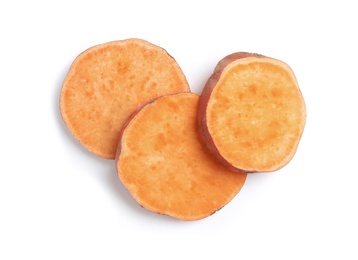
(107, 82)
(252, 113)
(164, 165)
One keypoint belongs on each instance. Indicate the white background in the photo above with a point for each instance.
(58, 201)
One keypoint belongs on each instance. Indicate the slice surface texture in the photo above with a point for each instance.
(107, 82)
(165, 166)
(252, 113)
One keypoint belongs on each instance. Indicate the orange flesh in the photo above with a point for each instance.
(256, 114)
(165, 166)
(106, 83)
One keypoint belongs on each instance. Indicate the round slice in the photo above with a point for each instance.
(252, 113)
(164, 165)
(106, 83)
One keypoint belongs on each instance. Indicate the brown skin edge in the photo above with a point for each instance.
(119, 148)
(203, 103)
(133, 115)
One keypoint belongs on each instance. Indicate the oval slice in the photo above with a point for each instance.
(252, 113)
(164, 165)
(106, 83)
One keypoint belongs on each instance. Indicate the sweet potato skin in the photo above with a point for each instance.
(188, 184)
(204, 99)
(202, 111)
(107, 82)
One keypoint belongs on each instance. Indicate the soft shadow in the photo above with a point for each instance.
(111, 179)
(57, 114)
(57, 92)
(56, 105)
(122, 193)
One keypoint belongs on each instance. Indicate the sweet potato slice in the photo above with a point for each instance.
(252, 113)
(164, 165)
(107, 82)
